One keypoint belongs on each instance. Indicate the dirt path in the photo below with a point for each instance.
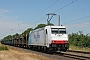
(16, 54)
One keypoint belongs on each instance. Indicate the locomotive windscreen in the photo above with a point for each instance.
(58, 30)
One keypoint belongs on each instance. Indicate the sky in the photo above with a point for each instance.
(18, 15)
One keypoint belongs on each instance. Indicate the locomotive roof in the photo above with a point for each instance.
(56, 26)
(48, 27)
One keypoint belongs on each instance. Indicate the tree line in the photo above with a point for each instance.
(79, 39)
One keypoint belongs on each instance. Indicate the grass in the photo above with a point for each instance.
(78, 48)
(19, 54)
(3, 47)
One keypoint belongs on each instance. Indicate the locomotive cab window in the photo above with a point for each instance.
(58, 30)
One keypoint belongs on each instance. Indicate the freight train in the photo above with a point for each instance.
(49, 38)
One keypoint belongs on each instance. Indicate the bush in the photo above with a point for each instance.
(79, 39)
(3, 48)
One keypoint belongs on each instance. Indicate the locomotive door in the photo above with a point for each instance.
(46, 36)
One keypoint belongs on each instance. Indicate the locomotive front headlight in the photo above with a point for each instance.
(53, 41)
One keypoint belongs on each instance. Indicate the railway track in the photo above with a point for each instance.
(81, 55)
(69, 55)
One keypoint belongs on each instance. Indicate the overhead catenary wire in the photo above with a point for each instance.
(76, 12)
(45, 9)
(65, 6)
(54, 11)
(77, 19)
(48, 7)
(62, 7)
